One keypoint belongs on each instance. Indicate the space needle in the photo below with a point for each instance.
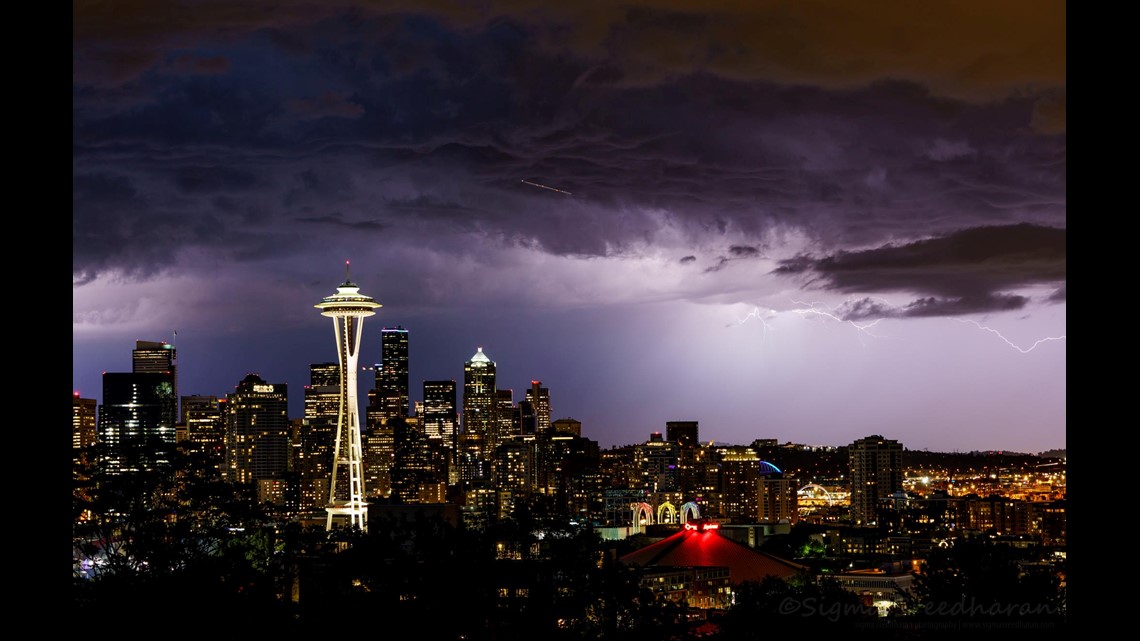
(348, 308)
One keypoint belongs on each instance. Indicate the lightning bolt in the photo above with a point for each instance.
(756, 314)
(1023, 350)
(813, 309)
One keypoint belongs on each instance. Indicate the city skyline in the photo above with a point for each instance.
(810, 223)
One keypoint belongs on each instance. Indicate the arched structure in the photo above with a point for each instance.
(690, 511)
(815, 491)
(666, 513)
(642, 514)
(767, 468)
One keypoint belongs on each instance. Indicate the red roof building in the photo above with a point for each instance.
(701, 545)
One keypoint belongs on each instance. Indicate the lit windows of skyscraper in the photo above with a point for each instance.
(136, 421)
(156, 357)
(392, 374)
(257, 431)
(318, 432)
(479, 393)
(441, 420)
(205, 427)
(82, 422)
(876, 472)
(539, 399)
(777, 499)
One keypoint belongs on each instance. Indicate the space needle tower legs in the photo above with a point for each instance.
(348, 308)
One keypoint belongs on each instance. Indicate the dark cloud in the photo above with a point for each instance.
(331, 104)
(186, 63)
(427, 121)
(743, 251)
(968, 271)
(869, 308)
(335, 220)
(207, 180)
(1059, 295)
(687, 259)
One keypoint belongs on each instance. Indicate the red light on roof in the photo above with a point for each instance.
(76, 394)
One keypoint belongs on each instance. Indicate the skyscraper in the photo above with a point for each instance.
(392, 375)
(440, 413)
(205, 426)
(257, 432)
(136, 421)
(478, 417)
(82, 422)
(683, 433)
(157, 357)
(318, 434)
(348, 308)
(876, 472)
(539, 399)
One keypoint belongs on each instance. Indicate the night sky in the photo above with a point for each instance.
(809, 221)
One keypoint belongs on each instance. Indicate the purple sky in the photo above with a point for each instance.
(808, 221)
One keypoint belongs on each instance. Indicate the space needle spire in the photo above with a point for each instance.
(348, 308)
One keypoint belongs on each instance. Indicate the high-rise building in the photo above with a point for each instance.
(478, 394)
(82, 422)
(257, 431)
(778, 499)
(656, 464)
(156, 357)
(420, 469)
(683, 433)
(441, 420)
(506, 415)
(567, 426)
(539, 399)
(392, 374)
(318, 434)
(876, 470)
(348, 308)
(379, 458)
(136, 421)
(440, 411)
(206, 427)
(476, 446)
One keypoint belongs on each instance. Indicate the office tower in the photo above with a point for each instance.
(419, 469)
(568, 459)
(318, 434)
(136, 421)
(156, 357)
(567, 426)
(741, 469)
(257, 433)
(506, 415)
(683, 433)
(83, 431)
(348, 308)
(440, 411)
(478, 418)
(656, 464)
(379, 458)
(205, 427)
(392, 374)
(441, 420)
(875, 465)
(777, 499)
(539, 399)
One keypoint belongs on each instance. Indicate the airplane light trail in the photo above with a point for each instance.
(545, 187)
